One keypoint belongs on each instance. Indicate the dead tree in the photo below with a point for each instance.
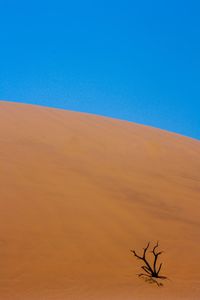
(152, 271)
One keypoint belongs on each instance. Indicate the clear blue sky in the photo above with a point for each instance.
(133, 60)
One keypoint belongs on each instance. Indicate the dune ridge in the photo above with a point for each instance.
(78, 191)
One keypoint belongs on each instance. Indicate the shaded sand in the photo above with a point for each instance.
(78, 191)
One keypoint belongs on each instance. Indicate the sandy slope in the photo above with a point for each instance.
(78, 191)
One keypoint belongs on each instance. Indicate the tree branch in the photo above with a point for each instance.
(151, 271)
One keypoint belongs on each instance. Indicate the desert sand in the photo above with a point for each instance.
(78, 191)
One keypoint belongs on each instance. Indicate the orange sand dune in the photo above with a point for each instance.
(79, 191)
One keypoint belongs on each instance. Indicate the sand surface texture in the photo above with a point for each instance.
(78, 191)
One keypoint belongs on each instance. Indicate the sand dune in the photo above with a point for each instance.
(78, 191)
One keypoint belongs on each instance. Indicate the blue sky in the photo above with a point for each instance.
(132, 60)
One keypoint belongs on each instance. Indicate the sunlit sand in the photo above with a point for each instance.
(79, 191)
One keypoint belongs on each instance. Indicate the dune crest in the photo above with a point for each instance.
(79, 191)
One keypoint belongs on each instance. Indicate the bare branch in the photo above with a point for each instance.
(143, 257)
(146, 269)
(159, 268)
(151, 272)
(155, 259)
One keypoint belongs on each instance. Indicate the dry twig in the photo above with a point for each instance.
(152, 271)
